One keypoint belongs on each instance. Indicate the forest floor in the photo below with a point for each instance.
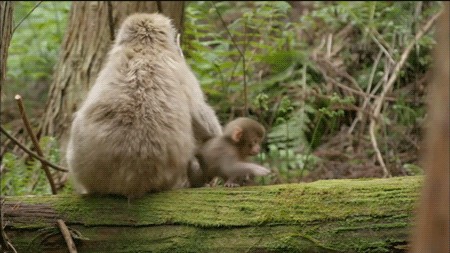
(342, 156)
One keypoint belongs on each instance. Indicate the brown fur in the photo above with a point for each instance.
(137, 129)
(225, 156)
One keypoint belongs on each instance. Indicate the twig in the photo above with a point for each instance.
(373, 139)
(18, 98)
(226, 29)
(31, 153)
(26, 16)
(244, 70)
(241, 53)
(406, 136)
(341, 34)
(379, 101)
(67, 237)
(11, 247)
(6, 143)
(318, 49)
(402, 61)
(367, 98)
(234, 69)
(329, 66)
(381, 40)
(329, 45)
(382, 48)
(374, 70)
(332, 80)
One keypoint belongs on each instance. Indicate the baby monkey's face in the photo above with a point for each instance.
(246, 135)
(255, 146)
(251, 144)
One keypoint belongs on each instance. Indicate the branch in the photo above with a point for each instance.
(26, 16)
(379, 101)
(367, 98)
(402, 61)
(18, 98)
(31, 153)
(373, 139)
(383, 49)
(67, 237)
(360, 93)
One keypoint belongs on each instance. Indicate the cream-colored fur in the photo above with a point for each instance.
(137, 129)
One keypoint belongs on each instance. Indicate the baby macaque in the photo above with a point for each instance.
(139, 126)
(225, 156)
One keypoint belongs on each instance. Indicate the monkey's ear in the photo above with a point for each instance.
(237, 134)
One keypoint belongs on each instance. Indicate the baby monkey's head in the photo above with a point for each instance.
(146, 29)
(246, 134)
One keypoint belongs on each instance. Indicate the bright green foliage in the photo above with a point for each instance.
(28, 178)
(224, 37)
(35, 44)
(216, 54)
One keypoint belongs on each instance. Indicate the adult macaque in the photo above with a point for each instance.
(225, 156)
(139, 126)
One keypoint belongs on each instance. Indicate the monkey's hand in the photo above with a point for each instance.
(230, 183)
(250, 168)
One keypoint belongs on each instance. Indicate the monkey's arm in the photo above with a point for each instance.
(244, 168)
(232, 169)
(204, 121)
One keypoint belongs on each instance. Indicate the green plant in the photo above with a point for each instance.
(21, 177)
(35, 44)
(224, 56)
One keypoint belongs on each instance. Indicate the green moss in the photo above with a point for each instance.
(332, 215)
(245, 206)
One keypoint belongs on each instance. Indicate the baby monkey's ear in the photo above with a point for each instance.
(236, 135)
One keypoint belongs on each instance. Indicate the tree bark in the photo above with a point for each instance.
(90, 33)
(432, 231)
(371, 215)
(6, 14)
(6, 19)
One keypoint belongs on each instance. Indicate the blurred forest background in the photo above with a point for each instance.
(340, 86)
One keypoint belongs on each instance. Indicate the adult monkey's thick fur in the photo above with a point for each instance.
(138, 127)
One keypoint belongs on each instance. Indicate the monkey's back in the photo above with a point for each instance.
(133, 134)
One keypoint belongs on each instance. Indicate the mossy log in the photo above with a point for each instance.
(371, 215)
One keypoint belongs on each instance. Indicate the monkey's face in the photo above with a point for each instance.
(251, 145)
(246, 134)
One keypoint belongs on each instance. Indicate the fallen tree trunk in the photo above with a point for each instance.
(372, 215)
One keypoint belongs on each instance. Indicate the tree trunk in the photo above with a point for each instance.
(90, 33)
(432, 231)
(6, 13)
(6, 17)
(371, 215)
